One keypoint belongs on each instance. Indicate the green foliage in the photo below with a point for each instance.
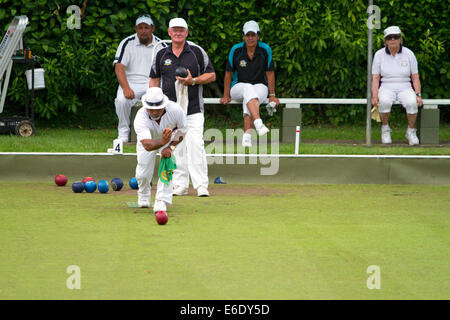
(319, 47)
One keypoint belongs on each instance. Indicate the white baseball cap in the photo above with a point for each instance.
(145, 18)
(392, 30)
(178, 22)
(250, 26)
(154, 98)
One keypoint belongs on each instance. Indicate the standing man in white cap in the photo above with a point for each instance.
(395, 67)
(190, 155)
(249, 77)
(132, 65)
(160, 125)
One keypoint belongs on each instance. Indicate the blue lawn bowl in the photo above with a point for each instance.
(103, 186)
(90, 186)
(116, 184)
(77, 187)
(219, 180)
(133, 183)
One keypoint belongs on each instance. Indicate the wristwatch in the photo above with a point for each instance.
(193, 81)
(172, 147)
(418, 94)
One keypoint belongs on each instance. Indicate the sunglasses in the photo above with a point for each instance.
(394, 36)
(144, 16)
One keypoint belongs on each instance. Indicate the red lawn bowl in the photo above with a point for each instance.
(161, 217)
(88, 179)
(61, 180)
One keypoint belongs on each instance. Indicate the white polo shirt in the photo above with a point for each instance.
(137, 58)
(395, 70)
(174, 117)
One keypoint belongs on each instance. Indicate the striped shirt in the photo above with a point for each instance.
(194, 58)
(137, 58)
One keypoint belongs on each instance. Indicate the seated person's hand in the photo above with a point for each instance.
(225, 100)
(274, 99)
(128, 93)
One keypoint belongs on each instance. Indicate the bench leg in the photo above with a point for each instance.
(429, 125)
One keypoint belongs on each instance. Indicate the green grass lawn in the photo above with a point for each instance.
(317, 140)
(243, 242)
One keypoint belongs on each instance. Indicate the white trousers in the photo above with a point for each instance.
(387, 96)
(124, 105)
(144, 174)
(190, 155)
(246, 92)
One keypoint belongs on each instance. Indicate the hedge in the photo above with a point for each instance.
(319, 47)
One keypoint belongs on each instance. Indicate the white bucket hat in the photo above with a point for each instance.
(154, 98)
(250, 26)
(178, 22)
(392, 30)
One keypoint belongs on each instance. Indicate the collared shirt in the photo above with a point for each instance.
(250, 70)
(173, 117)
(137, 57)
(395, 69)
(194, 58)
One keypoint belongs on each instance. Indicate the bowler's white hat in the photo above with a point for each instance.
(154, 98)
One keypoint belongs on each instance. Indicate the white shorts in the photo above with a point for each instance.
(387, 96)
(246, 92)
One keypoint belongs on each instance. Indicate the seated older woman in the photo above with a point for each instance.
(395, 66)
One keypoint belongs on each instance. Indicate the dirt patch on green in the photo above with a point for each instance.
(215, 190)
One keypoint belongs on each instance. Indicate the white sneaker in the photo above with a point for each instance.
(202, 192)
(262, 130)
(144, 203)
(412, 137)
(179, 191)
(386, 135)
(159, 206)
(247, 140)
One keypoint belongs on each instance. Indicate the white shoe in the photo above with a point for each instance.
(159, 206)
(386, 136)
(202, 192)
(247, 140)
(144, 204)
(412, 137)
(262, 130)
(180, 191)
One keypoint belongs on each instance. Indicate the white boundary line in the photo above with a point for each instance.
(239, 155)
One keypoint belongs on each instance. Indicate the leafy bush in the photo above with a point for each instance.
(319, 49)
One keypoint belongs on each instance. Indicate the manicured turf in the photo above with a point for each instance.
(243, 242)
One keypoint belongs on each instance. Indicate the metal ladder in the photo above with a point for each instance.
(12, 41)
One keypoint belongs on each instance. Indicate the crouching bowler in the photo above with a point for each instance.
(160, 125)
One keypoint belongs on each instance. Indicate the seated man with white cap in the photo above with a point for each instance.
(249, 76)
(395, 66)
(132, 65)
(160, 125)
